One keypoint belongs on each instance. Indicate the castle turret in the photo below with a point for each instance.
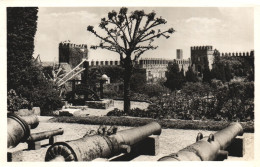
(72, 53)
(201, 58)
(179, 53)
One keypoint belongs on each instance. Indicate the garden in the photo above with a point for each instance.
(224, 93)
(197, 101)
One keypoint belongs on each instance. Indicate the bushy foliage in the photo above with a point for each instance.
(15, 102)
(21, 28)
(139, 97)
(24, 75)
(136, 112)
(46, 96)
(175, 78)
(138, 82)
(155, 90)
(207, 76)
(218, 72)
(113, 91)
(196, 89)
(226, 68)
(190, 75)
(239, 102)
(199, 101)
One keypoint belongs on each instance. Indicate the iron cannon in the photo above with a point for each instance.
(209, 148)
(18, 128)
(34, 140)
(31, 120)
(44, 135)
(100, 146)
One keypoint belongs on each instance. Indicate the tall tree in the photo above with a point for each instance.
(182, 72)
(207, 75)
(129, 35)
(174, 77)
(228, 74)
(218, 70)
(24, 74)
(138, 82)
(190, 75)
(21, 29)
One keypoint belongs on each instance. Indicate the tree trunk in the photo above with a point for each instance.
(127, 76)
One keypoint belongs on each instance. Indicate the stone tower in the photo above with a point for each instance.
(179, 53)
(201, 58)
(72, 53)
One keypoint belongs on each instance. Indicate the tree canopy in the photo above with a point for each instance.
(190, 75)
(175, 77)
(129, 35)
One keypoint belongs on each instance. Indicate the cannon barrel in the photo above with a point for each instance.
(31, 120)
(98, 146)
(208, 148)
(44, 135)
(18, 128)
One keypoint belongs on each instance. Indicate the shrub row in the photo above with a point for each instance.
(165, 123)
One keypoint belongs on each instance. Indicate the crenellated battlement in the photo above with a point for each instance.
(183, 62)
(199, 48)
(72, 53)
(154, 61)
(71, 45)
(143, 61)
(238, 54)
(104, 63)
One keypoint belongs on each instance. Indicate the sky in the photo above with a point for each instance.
(228, 29)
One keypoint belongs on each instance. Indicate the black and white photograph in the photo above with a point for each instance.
(129, 83)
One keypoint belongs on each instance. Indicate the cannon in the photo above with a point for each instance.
(100, 146)
(34, 139)
(31, 120)
(18, 128)
(211, 148)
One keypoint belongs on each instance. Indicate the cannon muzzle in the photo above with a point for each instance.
(209, 148)
(18, 128)
(100, 146)
(44, 135)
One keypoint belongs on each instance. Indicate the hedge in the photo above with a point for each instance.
(165, 123)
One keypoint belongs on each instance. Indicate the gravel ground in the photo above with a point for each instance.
(171, 140)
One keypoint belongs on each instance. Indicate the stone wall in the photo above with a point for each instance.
(203, 57)
(72, 54)
(200, 58)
